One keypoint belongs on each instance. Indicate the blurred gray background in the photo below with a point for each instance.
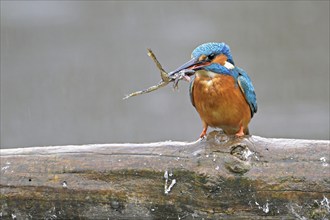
(66, 65)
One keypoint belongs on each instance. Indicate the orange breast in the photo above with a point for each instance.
(220, 103)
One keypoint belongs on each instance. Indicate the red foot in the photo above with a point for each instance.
(240, 133)
(203, 134)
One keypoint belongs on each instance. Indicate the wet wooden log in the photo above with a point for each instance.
(220, 177)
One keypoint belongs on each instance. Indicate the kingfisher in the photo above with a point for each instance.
(221, 92)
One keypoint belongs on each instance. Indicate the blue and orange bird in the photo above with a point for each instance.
(222, 93)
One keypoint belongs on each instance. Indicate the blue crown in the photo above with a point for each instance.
(216, 48)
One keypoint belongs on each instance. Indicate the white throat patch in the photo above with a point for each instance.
(229, 65)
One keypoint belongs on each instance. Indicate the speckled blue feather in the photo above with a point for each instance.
(216, 48)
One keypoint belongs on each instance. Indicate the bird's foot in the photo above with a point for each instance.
(240, 133)
(200, 139)
(203, 134)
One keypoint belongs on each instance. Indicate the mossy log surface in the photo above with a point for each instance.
(216, 178)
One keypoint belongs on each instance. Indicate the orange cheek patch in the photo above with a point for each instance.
(221, 59)
(201, 58)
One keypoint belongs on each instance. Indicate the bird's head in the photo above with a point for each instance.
(207, 54)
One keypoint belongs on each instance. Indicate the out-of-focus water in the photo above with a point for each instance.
(66, 65)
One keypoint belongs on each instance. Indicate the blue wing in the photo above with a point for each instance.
(247, 88)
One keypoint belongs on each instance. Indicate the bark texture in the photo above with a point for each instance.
(217, 178)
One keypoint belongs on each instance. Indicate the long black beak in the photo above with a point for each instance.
(190, 63)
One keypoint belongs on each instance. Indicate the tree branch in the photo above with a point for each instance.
(220, 177)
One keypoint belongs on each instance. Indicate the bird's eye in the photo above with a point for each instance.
(211, 56)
